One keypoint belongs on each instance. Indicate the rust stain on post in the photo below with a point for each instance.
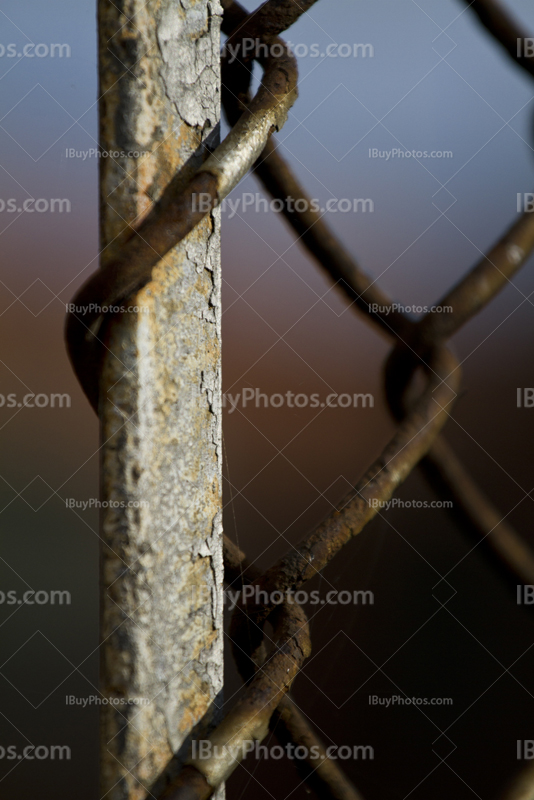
(161, 567)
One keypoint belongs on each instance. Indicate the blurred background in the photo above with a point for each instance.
(432, 81)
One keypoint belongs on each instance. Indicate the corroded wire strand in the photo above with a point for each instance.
(504, 28)
(323, 775)
(323, 245)
(410, 443)
(248, 720)
(281, 183)
(267, 22)
(443, 465)
(522, 785)
(473, 292)
(318, 770)
(177, 214)
(469, 296)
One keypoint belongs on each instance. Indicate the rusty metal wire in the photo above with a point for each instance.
(287, 722)
(467, 298)
(419, 346)
(503, 28)
(522, 786)
(175, 215)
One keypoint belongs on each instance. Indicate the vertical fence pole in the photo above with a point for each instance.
(161, 564)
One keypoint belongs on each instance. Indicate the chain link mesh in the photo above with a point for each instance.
(418, 346)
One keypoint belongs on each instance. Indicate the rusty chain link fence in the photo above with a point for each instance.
(269, 664)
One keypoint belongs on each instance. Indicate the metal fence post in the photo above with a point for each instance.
(161, 564)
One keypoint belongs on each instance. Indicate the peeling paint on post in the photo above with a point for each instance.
(161, 567)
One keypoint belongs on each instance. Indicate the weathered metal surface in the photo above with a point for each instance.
(179, 206)
(160, 397)
(249, 719)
